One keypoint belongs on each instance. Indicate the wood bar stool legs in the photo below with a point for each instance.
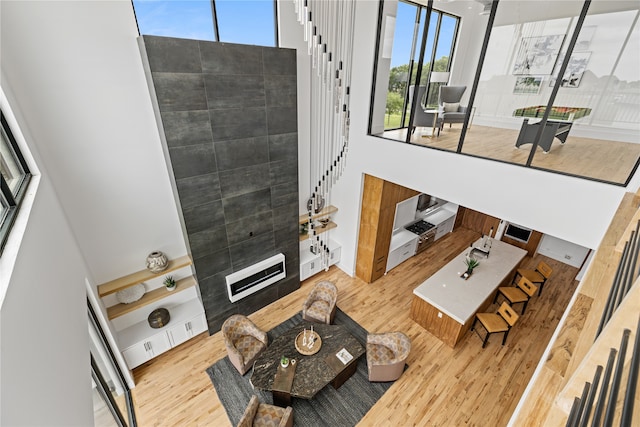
(493, 323)
(538, 276)
(522, 293)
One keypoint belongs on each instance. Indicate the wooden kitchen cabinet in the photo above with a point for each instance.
(379, 199)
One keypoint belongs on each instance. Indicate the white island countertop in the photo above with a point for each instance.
(459, 298)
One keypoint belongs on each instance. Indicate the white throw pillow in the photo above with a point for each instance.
(450, 107)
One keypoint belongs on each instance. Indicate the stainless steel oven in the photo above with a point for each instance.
(426, 234)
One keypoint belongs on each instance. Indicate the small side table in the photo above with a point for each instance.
(282, 383)
(434, 113)
(343, 371)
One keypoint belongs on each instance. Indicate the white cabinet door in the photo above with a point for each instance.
(405, 212)
(186, 330)
(334, 255)
(445, 227)
(401, 254)
(151, 347)
(136, 355)
(309, 268)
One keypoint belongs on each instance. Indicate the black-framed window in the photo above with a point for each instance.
(251, 22)
(419, 47)
(14, 177)
(527, 68)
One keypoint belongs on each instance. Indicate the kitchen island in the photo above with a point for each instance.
(445, 304)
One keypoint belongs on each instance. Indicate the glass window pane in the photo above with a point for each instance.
(595, 113)
(102, 416)
(187, 19)
(516, 81)
(401, 41)
(11, 170)
(405, 53)
(246, 22)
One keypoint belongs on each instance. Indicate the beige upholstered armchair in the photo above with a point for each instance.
(320, 305)
(263, 414)
(244, 341)
(386, 355)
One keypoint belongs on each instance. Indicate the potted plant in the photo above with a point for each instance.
(169, 283)
(471, 263)
(284, 361)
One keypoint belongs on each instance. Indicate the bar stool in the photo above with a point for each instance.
(521, 293)
(538, 276)
(495, 323)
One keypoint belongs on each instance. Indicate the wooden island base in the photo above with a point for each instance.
(448, 330)
(446, 305)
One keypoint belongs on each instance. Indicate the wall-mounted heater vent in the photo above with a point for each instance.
(253, 278)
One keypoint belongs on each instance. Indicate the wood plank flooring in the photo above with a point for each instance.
(467, 385)
(611, 161)
(576, 336)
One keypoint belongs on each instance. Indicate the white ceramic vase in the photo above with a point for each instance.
(157, 262)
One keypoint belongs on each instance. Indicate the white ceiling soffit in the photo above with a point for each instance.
(517, 11)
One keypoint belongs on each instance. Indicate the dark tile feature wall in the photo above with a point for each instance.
(229, 118)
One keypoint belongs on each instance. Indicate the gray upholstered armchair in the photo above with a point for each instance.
(449, 108)
(420, 118)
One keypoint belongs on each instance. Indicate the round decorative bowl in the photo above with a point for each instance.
(157, 262)
(159, 318)
(305, 349)
(130, 294)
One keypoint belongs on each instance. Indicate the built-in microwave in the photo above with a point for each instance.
(517, 232)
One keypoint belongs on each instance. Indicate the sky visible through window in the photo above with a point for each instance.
(239, 21)
(405, 22)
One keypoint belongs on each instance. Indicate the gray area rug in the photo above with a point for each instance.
(330, 407)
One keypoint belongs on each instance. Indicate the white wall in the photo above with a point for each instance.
(291, 36)
(571, 209)
(44, 351)
(43, 315)
(76, 70)
(75, 74)
(563, 251)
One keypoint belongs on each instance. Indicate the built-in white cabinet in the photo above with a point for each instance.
(445, 226)
(405, 213)
(137, 340)
(311, 264)
(443, 218)
(187, 330)
(172, 335)
(403, 246)
(137, 337)
(146, 349)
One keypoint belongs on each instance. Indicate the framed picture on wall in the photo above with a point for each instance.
(528, 84)
(537, 55)
(575, 69)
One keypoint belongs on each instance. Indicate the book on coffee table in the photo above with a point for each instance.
(344, 356)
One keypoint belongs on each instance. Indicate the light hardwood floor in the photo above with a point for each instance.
(593, 158)
(467, 385)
